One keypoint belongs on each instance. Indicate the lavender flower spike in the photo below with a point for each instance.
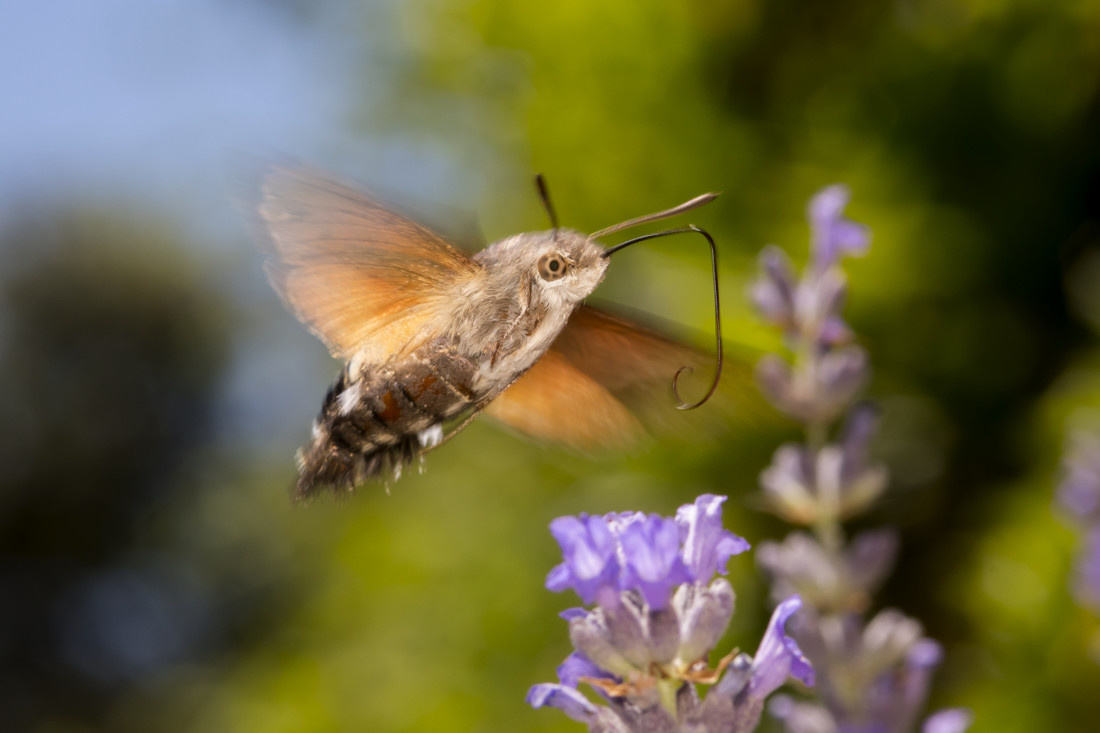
(707, 547)
(779, 656)
(591, 566)
(833, 235)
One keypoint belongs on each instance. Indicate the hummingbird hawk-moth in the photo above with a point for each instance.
(431, 336)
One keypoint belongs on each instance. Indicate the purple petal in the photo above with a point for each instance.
(577, 665)
(707, 546)
(566, 699)
(925, 654)
(773, 292)
(832, 235)
(590, 567)
(571, 613)
(851, 237)
(951, 720)
(1078, 493)
(828, 204)
(779, 656)
(835, 331)
(651, 551)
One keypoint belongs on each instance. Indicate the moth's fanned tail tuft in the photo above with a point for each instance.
(326, 465)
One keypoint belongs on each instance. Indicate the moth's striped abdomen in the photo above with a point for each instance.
(378, 420)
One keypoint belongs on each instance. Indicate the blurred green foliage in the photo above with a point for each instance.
(156, 577)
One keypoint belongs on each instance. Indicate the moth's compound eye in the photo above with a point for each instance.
(552, 267)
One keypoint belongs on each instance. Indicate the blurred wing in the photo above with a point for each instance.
(604, 378)
(557, 402)
(358, 275)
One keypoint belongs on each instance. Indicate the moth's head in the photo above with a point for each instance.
(563, 266)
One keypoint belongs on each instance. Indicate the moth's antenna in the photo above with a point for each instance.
(695, 203)
(717, 307)
(544, 194)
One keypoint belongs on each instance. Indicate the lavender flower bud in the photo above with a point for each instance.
(814, 393)
(841, 373)
(835, 484)
(773, 292)
(870, 558)
(828, 581)
(704, 616)
(626, 628)
(818, 301)
(591, 636)
(664, 635)
(888, 639)
(789, 485)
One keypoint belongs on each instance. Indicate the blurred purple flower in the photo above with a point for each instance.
(773, 293)
(828, 580)
(1079, 490)
(805, 717)
(808, 308)
(833, 484)
(1087, 581)
(816, 393)
(779, 656)
(591, 566)
(653, 564)
(707, 546)
(951, 720)
(832, 235)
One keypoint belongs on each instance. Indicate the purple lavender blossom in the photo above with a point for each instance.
(779, 656)
(650, 554)
(707, 547)
(591, 566)
(659, 612)
(653, 561)
(833, 235)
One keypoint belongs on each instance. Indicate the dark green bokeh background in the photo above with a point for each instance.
(153, 574)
